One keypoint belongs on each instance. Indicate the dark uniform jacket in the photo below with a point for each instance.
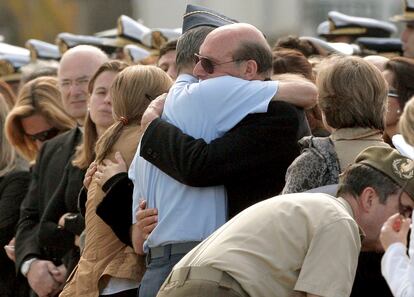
(250, 160)
(46, 176)
(64, 200)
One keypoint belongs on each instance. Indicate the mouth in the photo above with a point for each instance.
(78, 102)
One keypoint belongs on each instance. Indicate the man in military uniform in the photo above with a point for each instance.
(300, 244)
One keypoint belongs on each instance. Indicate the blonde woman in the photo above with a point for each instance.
(14, 182)
(397, 265)
(107, 266)
(37, 116)
(404, 142)
(61, 223)
(352, 98)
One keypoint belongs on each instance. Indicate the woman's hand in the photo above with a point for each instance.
(89, 174)
(395, 229)
(107, 169)
(10, 249)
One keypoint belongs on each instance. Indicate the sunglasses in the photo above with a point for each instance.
(209, 65)
(44, 135)
(404, 210)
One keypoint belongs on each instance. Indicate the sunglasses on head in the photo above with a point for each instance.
(44, 135)
(208, 65)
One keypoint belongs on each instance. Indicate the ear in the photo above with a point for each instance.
(368, 199)
(250, 71)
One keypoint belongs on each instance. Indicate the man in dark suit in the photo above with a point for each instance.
(76, 68)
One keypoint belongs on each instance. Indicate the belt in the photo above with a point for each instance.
(222, 278)
(171, 249)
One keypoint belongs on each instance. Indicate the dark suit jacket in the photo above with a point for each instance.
(47, 173)
(250, 160)
(13, 188)
(64, 200)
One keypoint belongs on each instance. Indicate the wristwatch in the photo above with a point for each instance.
(26, 266)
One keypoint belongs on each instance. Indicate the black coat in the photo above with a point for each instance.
(250, 160)
(64, 200)
(13, 188)
(46, 176)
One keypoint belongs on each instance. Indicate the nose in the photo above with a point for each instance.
(108, 99)
(75, 89)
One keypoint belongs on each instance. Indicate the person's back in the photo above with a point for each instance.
(354, 112)
(281, 252)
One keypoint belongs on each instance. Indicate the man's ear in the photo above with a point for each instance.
(250, 71)
(368, 199)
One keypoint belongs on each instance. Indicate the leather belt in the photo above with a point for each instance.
(222, 278)
(171, 249)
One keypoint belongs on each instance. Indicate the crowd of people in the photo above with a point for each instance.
(225, 168)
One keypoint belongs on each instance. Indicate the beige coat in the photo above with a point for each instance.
(105, 255)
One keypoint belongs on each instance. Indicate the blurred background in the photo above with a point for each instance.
(44, 19)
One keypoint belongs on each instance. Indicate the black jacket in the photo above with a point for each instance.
(250, 160)
(46, 176)
(64, 200)
(13, 188)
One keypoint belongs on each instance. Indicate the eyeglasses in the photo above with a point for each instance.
(393, 93)
(44, 135)
(209, 65)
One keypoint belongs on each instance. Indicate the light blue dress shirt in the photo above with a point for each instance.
(205, 109)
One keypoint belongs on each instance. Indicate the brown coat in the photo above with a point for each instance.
(105, 255)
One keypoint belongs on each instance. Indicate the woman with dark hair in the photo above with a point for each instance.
(399, 74)
(62, 224)
(292, 61)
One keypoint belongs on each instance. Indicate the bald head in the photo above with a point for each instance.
(238, 33)
(377, 61)
(240, 42)
(76, 68)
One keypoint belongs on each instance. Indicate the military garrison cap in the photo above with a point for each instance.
(12, 58)
(196, 16)
(391, 163)
(342, 24)
(135, 53)
(155, 38)
(326, 48)
(408, 13)
(380, 45)
(131, 29)
(42, 50)
(66, 41)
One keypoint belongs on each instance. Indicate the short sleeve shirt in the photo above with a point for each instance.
(291, 243)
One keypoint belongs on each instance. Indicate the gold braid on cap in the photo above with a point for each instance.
(124, 121)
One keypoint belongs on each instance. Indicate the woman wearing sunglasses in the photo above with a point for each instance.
(399, 74)
(61, 223)
(37, 116)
